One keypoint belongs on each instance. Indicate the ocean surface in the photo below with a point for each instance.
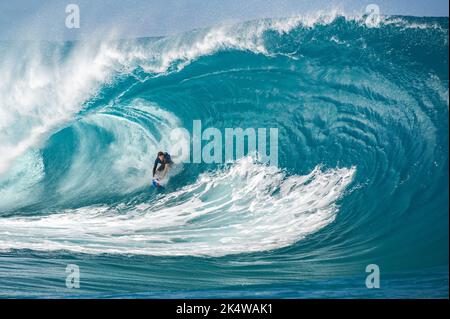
(362, 113)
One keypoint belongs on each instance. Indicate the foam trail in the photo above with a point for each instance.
(248, 207)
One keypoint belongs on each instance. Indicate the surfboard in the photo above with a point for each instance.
(155, 183)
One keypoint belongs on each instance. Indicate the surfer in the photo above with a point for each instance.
(164, 160)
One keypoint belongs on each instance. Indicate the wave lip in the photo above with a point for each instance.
(52, 83)
(247, 207)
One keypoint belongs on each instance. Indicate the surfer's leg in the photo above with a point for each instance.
(159, 171)
(166, 169)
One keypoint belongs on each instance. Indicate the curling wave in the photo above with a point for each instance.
(362, 115)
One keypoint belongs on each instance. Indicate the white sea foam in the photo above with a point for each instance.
(38, 95)
(247, 207)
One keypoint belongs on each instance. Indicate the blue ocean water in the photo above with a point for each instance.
(362, 175)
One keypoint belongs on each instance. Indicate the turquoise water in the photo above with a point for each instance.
(362, 175)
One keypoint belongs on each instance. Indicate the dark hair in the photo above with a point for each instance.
(160, 153)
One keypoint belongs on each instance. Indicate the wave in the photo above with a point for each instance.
(81, 122)
(41, 95)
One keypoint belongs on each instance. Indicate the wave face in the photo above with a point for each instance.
(362, 172)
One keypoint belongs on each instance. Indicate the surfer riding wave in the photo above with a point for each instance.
(165, 161)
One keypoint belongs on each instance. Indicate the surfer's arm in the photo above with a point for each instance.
(154, 168)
